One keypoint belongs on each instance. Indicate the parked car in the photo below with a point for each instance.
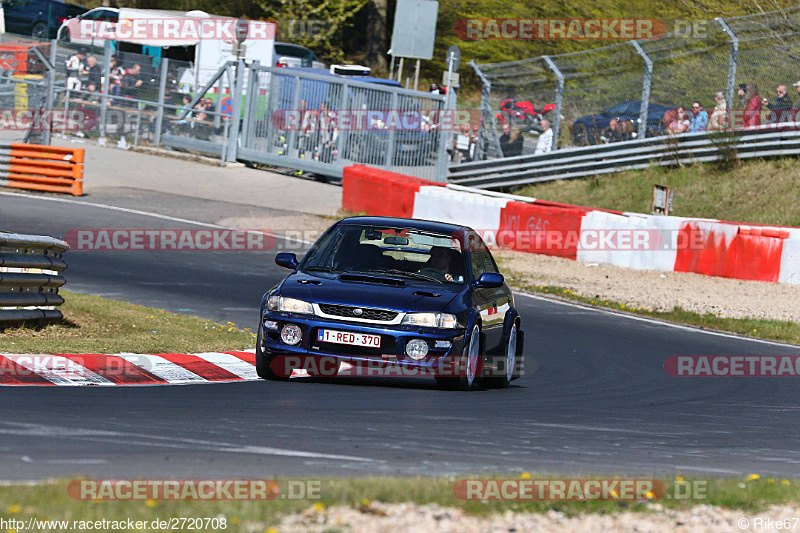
(39, 19)
(588, 130)
(412, 297)
(104, 20)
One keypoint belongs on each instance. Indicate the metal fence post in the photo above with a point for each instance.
(445, 138)
(559, 99)
(486, 112)
(162, 91)
(390, 144)
(104, 89)
(646, 84)
(236, 114)
(250, 100)
(51, 87)
(733, 60)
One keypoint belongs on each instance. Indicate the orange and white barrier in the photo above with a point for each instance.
(42, 168)
(592, 235)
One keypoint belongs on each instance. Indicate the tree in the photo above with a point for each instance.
(377, 21)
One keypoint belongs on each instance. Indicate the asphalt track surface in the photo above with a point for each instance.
(598, 401)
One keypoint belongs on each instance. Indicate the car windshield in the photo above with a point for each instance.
(387, 251)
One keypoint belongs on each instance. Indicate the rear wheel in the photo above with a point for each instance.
(65, 37)
(39, 31)
(468, 366)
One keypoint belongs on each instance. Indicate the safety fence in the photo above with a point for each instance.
(722, 63)
(30, 276)
(42, 168)
(777, 140)
(650, 242)
(134, 99)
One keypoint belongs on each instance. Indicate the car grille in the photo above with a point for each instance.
(346, 311)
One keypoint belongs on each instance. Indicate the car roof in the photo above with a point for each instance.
(411, 223)
(327, 73)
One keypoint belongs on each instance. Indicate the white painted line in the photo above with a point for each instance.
(652, 320)
(142, 213)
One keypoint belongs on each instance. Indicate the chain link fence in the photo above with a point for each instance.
(632, 89)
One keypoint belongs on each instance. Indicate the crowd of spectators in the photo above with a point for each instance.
(752, 111)
(84, 73)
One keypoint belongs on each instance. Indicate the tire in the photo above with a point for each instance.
(65, 36)
(510, 362)
(263, 362)
(468, 367)
(39, 31)
(580, 135)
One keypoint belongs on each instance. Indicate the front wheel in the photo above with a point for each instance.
(39, 31)
(264, 362)
(509, 363)
(468, 366)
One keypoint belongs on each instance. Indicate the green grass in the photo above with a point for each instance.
(765, 192)
(93, 324)
(51, 501)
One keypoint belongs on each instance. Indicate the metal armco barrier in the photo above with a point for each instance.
(30, 275)
(687, 148)
(42, 168)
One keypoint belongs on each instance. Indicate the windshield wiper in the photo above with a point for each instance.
(397, 272)
(322, 269)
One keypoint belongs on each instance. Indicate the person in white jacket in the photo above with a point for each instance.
(545, 143)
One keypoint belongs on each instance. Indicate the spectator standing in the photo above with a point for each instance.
(699, 118)
(511, 141)
(719, 117)
(781, 110)
(681, 122)
(612, 133)
(75, 68)
(545, 143)
(741, 91)
(751, 117)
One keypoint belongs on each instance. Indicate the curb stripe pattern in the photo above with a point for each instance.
(126, 369)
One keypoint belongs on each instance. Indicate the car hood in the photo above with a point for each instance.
(397, 294)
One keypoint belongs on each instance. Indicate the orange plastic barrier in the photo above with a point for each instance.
(374, 191)
(42, 168)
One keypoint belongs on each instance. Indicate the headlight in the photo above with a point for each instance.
(290, 305)
(431, 320)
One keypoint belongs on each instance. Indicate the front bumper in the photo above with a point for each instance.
(392, 351)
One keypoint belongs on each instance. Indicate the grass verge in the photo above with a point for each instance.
(93, 324)
(764, 192)
(51, 502)
(750, 327)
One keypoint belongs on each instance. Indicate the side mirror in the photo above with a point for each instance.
(490, 280)
(286, 260)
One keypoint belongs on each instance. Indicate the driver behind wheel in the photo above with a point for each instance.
(439, 264)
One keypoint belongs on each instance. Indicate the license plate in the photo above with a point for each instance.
(352, 339)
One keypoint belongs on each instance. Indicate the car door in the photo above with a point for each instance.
(491, 303)
(19, 15)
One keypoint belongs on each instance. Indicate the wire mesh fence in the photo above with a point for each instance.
(741, 71)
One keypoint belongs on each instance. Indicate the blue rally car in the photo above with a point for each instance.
(408, 297)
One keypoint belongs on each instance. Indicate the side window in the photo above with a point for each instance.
(481, 259)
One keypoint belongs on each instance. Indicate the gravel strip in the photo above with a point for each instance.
(379, 517)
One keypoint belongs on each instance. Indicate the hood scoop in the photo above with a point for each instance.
(363, 278)
(309, 282)
(428, 294)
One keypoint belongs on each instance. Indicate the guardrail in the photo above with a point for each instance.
(42, 168)
(767, 141)
(30, 275)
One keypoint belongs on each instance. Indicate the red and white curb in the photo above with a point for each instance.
(127, 368)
